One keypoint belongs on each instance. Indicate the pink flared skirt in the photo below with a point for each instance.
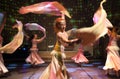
(80, 58)
(113, 59)
(34, 58)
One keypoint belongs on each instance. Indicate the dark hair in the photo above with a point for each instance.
(57, 24)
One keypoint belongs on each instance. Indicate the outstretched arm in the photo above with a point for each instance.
(41, 39)
(65, 39)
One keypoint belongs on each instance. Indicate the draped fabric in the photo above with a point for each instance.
(106, 22)
(16, 42)
(56, 69)
(34, 57)
(34, 26)
(88, 35)
(52, 8)
(3, 69)
(97, 16)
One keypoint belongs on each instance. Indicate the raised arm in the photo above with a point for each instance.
(41, 39)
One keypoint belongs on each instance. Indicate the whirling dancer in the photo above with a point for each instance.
(3, 69)
(112, 61)
(104, 37)
(14, 44)
(79, 57)
(34, 57)
(57, 69)
(113, 57)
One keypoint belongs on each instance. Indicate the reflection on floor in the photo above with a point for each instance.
(84, 71)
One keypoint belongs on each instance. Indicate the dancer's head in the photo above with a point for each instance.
(33, 36)
(59, 24)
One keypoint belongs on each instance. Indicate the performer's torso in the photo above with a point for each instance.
(34, 45)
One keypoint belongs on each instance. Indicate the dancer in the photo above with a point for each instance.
(113, 58)
(79, 57)
(34, 57)
(11, 47)
(56, 69)
(3, 69)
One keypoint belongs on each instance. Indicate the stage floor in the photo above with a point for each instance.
(85, 71)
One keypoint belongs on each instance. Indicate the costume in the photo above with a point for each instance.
(12, 46)
(113, 58)
(79, 57)
(34, 57)
(3, 69)
(56, 69)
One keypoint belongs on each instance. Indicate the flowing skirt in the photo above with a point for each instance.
(80, 58)
(3, 69)
(34, 58)
(113, 59)
(56, 69)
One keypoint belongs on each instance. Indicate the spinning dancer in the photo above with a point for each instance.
(34, 57)
(56, 69)
(3, 69)
(113, 58)
(13, 45)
